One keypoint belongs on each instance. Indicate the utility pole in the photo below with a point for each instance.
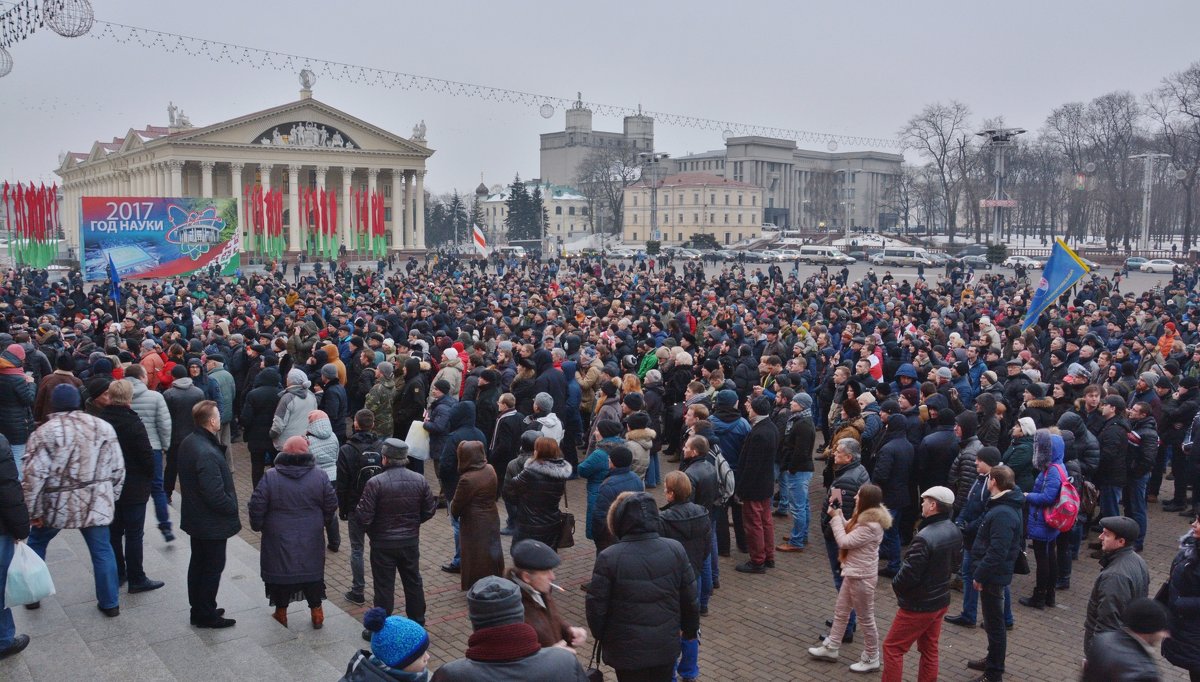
(652, 167)
(999, 139)
(1147, 190)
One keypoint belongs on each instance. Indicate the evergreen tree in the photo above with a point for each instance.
(456, 216)
(538, 218)
(438, 231)
(518, 221)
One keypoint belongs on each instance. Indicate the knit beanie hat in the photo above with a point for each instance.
(329, 372)
(442, 385)
(621, 456)
(494, 601)
(386, 369)
(804, 400)
(296, 445)
(397, 641)
(634, 401)
(1145, 616)
(988, 455)
(726, 397)
(64, 398)
(1028, 428)
(608, 428)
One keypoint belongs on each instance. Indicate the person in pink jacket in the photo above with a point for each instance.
(858, 541)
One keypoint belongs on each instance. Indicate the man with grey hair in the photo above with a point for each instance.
(848, 476)
(393, 506)
(543, 418)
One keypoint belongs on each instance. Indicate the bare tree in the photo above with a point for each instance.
(603, 177)
(937, 134)
(1175, 110)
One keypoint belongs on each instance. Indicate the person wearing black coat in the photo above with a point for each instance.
(755, 484)
(937, 450)
(332, 400)
(129, 515)
(409, 403)
(535, 491)
(258, 411)
(998, 542)
(550, 380)
(460, 427)
(351, 460)
(893, 474)
(1126, 655)
(208, 513)
(14, 526)
(1112, 472)
(1084, 448)
(487, 406)
(1181, 595)
(922, 585)
(642, 595)
(619, 479)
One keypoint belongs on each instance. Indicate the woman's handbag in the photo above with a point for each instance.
(1021, 565)
(566, 526)
(593, 672)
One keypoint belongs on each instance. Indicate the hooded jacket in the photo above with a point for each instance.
(291, 414)
(450, 369)
(1182, 593)
(755, 473)
(290, 507)
(323, 446)
(643, 591)
(936, 453)
(379, 402)
(893, 464)
(1019, 458)
(640, 442)
(859, 548)
(534, 493)
(688, 523)
(474, 505)
(1114, 442)
(258, 409)
(730, 430)
(1048, 462)
(617, 480)
(962, 472)
(550, 380)
(998, 540)
(989, 423)
(460, 427)
(1084, 449)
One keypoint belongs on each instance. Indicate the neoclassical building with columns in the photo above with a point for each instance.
(302, 144)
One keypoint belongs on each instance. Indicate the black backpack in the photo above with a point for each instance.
(372, 466)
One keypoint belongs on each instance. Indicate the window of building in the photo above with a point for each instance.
(771, 202)
(681, 217)
(584, 210)
(558, 210)
(695, 197)
(739, 236)
(679, 237)
(681, 197)
(712, 198)
(726, 218)
(635, 221)
(712, 218)
(667, 199)
(754, 200)
(695, 217)
(739, 200)
(753, 218)
(635, 198)
(387, 214)
(635, 236)
(726, 199)
(739, 219)
(387, 190)
(666, 217)
(726, 237)
(571, 210)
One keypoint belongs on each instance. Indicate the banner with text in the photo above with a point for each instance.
(149, 237)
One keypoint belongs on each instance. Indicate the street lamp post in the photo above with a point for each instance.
(653, 168)
(1147, 190)
(999, 139)
(846, 200)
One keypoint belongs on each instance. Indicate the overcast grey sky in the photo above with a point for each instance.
(860, 68)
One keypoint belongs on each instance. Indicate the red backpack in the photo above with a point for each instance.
(1062, 514)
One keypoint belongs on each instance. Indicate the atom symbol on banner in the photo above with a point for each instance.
(194, 232)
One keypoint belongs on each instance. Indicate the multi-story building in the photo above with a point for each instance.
(565, 151)
(689, 204)
(566, 209)
(807, 189)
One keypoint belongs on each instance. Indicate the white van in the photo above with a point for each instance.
(511, 251)
(828, 255)
(903, 256)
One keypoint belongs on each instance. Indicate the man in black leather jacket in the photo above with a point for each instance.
(922, 587)
(392, 508)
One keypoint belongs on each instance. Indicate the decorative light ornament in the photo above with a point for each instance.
(69, 18)
(547, 110)
(6, 62)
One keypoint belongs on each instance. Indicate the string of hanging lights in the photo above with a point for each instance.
(67, 18)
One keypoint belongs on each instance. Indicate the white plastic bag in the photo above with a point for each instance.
(418, 441)
(28, 578)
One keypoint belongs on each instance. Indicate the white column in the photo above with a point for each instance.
(347, 203)
(164, 180)
(397, 212)
(206, 179)
(419, 209)
(410, 222)
(175, 167)
(293, 207)
(372, 186)
(235, 178)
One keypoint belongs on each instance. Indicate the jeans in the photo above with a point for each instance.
(403, 558)
(793, 498)
(18, 452)
(652, 477)
(126, 533)
(357, 580)
(8, 629)
(688, 665)
(204, 578)
(456, 526)
(890, 548)
(760, 530)
(104, 562)
(1135, 505)
(831, 551)
(992, 600)
(1110, 501)
(924, 628)
(713, 565)
(970, 607)
(161, 511)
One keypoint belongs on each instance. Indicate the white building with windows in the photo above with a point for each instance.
(688, 204)
(566, 210)
(301, 144)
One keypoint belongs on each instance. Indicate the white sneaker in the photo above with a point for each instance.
(824, 652)
(865, 665)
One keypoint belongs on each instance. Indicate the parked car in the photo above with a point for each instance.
(973, 250)
(764, 256)
(857, 254)
(787, 255)
(977, 261)
(1164, 265)
(1135, 263)
(1014, 261)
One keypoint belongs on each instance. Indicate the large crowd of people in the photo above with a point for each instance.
(953, 450)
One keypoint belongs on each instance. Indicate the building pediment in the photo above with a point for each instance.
(307, 125)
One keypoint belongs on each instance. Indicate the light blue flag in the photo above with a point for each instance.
(1062, 270)
(115, 279)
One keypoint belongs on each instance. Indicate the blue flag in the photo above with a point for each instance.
(1062, 270)
(115, 279)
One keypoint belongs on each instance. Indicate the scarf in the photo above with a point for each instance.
(12, 360)
(503, 643)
